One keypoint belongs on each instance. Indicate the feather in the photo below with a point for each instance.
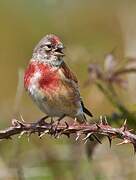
(68, 73)
(85, 110)
(70, 76)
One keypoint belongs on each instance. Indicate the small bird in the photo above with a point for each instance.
(51, 84)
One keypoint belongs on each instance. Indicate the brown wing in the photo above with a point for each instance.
(70, 76)
(68, 73)
(70, 82)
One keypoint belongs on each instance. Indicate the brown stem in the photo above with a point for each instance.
(88, 130)
(125, 71)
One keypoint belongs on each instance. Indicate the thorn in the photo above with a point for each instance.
(87, 136)
(105, 119)
(125, 141)
(22, 119)
(125, 122)
(97, 139)
(124, 126)
(15, 122)
(28, 135)
(98, 126)
(130, 130)
(20, 124)
(67, 126)
(110, 140)
(85, 141)
(101, 120)
(45, 132)
(21, 134)
(78, 135)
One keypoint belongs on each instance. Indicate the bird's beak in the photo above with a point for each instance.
(59, 50)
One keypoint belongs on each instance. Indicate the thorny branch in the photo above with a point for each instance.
(89, 131)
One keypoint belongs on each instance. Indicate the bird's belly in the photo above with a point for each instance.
(41, 100)
(54, 102)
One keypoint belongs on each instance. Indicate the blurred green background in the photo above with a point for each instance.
(89, 29)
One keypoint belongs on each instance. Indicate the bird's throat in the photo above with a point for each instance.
(47, 59)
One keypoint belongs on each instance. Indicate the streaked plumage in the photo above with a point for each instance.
(50, 82)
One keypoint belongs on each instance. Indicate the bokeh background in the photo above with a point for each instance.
(89, 30)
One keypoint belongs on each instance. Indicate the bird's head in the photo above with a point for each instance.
(49, 46)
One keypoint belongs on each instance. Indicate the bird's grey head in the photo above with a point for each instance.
(50, 47)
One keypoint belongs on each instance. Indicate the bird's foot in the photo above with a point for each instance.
(41, 121)
(58, 120)
(57, 124)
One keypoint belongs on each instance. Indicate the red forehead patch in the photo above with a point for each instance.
(55, 40)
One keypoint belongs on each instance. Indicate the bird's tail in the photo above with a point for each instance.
(81, 118)
(86, 111)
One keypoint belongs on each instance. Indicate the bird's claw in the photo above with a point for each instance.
(41, 121)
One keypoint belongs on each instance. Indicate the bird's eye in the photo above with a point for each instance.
(48, 47)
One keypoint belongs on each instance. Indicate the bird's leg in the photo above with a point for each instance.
(52, 121)
(41, 121)
(58, 120)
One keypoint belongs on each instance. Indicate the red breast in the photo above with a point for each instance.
(48, 79)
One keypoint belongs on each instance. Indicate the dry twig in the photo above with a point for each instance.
(88, 130)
